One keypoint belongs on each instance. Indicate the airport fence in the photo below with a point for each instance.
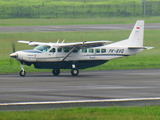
(84, 11)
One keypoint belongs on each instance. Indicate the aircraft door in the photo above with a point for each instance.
(52, 52)
(55, 54)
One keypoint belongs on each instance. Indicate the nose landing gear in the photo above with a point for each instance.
(22, 73)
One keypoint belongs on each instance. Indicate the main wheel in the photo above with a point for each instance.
(56, 71)
(74, 71)
(22, 73)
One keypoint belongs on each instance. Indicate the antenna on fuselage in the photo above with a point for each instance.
(63, 41)
(57, 41)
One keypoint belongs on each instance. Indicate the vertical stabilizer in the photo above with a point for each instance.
(136, 37)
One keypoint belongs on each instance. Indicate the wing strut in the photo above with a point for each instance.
(69, 53)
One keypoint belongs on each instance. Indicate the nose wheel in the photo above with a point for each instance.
(22, 73)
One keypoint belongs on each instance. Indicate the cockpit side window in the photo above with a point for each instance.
(43, 48)
(53, 50)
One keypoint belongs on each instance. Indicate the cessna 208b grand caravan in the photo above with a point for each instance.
(79, 55)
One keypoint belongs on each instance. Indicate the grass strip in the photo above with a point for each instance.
(63, 2)
(109, 113)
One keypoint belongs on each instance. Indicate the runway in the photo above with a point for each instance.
(68, 28)
(90, 88)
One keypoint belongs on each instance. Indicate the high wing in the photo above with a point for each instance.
(31, 43)
(85, 44)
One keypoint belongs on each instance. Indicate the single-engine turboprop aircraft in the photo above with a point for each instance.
(79, 55)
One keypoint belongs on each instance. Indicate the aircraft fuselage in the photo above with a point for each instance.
(82, 58)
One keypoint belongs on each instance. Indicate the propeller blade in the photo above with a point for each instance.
(12, 55)
(13, 47)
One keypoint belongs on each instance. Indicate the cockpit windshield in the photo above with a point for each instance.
(43, 48)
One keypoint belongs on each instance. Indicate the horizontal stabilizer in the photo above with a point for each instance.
(144, 47)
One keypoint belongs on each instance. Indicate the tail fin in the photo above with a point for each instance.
(136, 37)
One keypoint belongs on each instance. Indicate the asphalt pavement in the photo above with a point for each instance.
(58, 28)
(90, 88)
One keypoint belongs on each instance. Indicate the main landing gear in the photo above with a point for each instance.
(74, 71)
(22, 73)
(56, 72)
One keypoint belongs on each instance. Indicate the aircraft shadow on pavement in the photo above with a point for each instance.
(59, 76)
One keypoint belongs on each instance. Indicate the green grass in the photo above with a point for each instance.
(49, 9)
(145, 60)
(62, 2)
(65, 2)
(35, 22)
(109, 113)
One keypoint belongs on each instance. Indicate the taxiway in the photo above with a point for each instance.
(64, 28)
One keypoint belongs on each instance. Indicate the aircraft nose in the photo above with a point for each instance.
(14, 55)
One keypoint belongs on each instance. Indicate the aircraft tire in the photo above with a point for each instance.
(74, 72)
(56, 72)
(22, 73)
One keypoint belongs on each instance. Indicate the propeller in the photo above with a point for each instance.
(13, 47)
(13, 50)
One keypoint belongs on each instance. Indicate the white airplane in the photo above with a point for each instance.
(79, 55)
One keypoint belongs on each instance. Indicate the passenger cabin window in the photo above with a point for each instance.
(59, 49)
(103, 50)
(84, 50)
(43, 48)
(75, 50)
(97, 50)
(91, 50)
(66, 49)
(53, 50)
